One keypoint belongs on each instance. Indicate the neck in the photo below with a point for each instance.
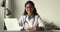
(30, 15)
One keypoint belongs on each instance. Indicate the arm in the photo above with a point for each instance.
(40, 25)
(20, 22)
(27, 28)
(37, 28)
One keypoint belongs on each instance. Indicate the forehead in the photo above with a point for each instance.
(28, 5)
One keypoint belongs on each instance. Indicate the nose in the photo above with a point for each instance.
(29, 8)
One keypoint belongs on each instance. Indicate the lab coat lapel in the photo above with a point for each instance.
(27, 19)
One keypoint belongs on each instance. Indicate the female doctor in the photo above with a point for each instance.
(30, 20)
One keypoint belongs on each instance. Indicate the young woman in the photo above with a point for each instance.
(30, 19)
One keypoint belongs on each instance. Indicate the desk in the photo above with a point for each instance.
(36, 31)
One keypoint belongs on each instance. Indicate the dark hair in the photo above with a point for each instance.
(32, 4)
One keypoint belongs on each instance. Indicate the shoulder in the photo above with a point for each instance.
(23, 16)
(38, 16)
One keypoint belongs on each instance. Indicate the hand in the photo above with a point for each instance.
(28, 28)
(35, 28)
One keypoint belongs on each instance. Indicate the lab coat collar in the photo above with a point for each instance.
(31, 16)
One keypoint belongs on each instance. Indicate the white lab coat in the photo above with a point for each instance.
(34, 21)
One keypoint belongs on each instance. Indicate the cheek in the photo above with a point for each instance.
(26, 10)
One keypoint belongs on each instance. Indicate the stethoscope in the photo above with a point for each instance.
(27, 21)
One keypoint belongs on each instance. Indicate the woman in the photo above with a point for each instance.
(30, 19)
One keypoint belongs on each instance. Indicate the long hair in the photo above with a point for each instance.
(32, 4)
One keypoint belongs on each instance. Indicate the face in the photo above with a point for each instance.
(29, 9)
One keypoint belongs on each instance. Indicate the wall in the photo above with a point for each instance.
(1, 18)
(16, 7)
(1, 2)
(49, 10)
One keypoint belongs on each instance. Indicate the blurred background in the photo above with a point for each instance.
(49, 10)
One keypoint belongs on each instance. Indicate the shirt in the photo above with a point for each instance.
(32, 21)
